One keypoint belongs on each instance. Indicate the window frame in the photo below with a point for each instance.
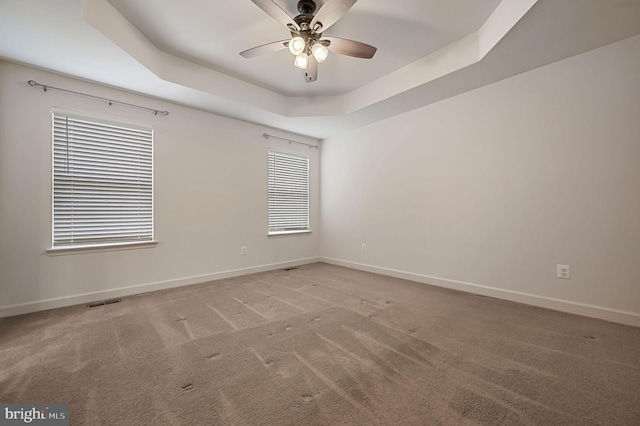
(146, 193)
(278, 231)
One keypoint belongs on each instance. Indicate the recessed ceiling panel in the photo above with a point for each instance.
(213, 33)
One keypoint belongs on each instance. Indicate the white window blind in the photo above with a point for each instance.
(102, 182)
(288, 193)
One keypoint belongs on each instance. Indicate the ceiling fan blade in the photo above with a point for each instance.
(277, 13)
(330, 12)
(311, 73)
(350, 47)
(265, 48)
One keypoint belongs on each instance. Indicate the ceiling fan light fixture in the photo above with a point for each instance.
(320, 52)
(301, 61)
(297, 45)
(306, 31)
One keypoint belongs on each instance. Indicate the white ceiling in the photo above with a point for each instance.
(187, 52)
(212, 35)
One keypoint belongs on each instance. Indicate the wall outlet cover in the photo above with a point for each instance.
(564, 271)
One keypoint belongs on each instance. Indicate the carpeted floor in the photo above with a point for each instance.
(322, 345)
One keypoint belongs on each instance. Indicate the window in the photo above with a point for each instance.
(102, 182)
(288, 193)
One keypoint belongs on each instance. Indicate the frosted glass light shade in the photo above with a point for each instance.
(297, 45)
(301, 61)
(319, 52)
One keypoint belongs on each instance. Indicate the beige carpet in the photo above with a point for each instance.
(322, 345)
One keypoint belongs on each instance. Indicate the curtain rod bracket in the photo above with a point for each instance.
(34, 83)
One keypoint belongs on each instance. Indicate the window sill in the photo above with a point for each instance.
(288, 233)
(63, 251)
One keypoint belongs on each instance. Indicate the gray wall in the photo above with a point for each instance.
(490, 190)
(210, 199)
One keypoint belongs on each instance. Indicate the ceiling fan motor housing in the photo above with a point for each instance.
(306, 7)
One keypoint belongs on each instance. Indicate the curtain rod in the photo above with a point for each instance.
(267, 136)
(33, 83)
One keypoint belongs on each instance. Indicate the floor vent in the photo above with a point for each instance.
(289, 269)
(105, 302)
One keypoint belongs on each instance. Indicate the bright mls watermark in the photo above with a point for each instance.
(34, 414)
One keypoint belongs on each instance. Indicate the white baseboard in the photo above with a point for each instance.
(623, 317)
(60, 302)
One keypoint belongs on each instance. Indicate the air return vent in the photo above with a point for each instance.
(105, 302)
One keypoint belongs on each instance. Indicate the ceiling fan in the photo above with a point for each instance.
(307, 43)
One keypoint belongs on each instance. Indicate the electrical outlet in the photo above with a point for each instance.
(364, 247)
(564, 271)
(243, 250)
